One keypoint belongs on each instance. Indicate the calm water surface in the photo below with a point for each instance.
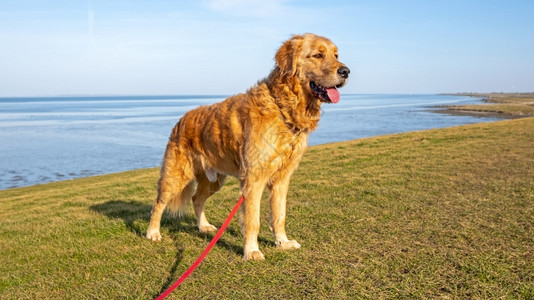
(50, 139)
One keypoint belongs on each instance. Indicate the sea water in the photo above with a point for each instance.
(44, 139)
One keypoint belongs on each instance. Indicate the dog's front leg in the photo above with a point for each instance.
(277, 200)
(250, 218)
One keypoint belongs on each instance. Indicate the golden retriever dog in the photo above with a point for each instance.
(258, 137)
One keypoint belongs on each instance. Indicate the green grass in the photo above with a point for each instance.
(443, 213)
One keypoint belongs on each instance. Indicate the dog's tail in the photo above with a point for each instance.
(171, 179)
(179, 204)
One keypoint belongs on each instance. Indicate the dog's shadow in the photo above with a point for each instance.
(136, 216)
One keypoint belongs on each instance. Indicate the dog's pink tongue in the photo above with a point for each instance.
(333, 94)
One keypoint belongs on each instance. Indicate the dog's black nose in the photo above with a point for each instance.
(343, 72)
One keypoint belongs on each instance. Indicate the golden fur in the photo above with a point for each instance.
(258, 137)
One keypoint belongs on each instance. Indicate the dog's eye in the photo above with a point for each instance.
(318, 55)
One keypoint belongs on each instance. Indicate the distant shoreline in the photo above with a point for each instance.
(500, 105)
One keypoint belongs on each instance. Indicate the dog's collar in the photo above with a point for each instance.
(292, 127)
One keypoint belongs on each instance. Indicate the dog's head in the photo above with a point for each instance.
(312, 61)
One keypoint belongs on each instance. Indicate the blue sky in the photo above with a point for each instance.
(225, 46)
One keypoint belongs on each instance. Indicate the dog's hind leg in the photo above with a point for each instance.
(205, 189)
(175, 187)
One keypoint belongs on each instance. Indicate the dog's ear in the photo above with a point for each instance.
(288, 55)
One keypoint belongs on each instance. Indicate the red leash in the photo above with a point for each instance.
(206, 251)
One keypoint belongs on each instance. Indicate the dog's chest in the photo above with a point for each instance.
(289, 148)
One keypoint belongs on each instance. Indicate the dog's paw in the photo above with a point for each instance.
(287, 245)
(207, 228)
(153, 235)
(254, 255)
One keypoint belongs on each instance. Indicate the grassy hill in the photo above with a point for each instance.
(441, 213)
